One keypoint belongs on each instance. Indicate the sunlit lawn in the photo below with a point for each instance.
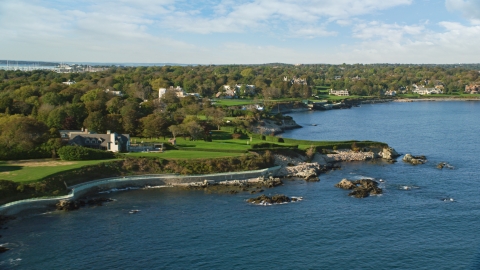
(36, 169)
(220, 140)
(185, 154)
(233, 102)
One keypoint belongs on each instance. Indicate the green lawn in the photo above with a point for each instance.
(185, 154)
(34, 170)
(220, 140)
(233, 102)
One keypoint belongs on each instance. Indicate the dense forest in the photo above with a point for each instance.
(35, 105)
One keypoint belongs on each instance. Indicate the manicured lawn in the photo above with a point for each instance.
(233, 102)
(220, 140)
(36, 169)
(185, 154)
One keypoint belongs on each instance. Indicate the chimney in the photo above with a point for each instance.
(82, 129)
(86, 131)
(109, 132)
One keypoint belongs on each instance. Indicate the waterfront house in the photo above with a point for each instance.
(178, 91)
(111, 141)
(69, 82)
(472, 88)
(422, 90)
(339, 92)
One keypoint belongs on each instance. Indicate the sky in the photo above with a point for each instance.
(241, 31)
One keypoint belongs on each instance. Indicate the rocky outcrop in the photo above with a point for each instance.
(3, 249)
(414, 160)
(275, 199)
(267, 127)
(360, 188)
(295, 166)
(442, 165)
(307, 171)
(346, 184)
(388, 153)
(349, 155)
(68, 205)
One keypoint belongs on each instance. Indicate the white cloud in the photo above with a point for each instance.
(263, 15)
(107, 31)
(390, 32)
(395, 43)
(470, 9)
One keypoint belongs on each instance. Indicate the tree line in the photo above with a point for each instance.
(35, 105)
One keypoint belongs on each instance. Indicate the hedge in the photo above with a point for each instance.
(83, 153)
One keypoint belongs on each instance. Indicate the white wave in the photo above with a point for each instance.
(152, 187)
(118, 189)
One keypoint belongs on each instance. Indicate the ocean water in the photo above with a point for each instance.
(410, 226)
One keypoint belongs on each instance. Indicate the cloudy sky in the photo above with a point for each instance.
(241, 31)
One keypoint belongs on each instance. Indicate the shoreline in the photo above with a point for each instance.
(435, 99)
(140, 181)
(286, 167)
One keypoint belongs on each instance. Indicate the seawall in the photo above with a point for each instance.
(80, 190)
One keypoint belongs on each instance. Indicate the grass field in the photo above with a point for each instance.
(185, 154)
(233, 102)
(34, 170)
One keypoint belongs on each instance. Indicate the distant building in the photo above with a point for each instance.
(391, 93)
(472, 88)
(339, 92)
(295, 80)
(230, 93)
(178, 91)
(249, 88)
(69, 82)
(111, 141)
(115, 93)
(422, 90)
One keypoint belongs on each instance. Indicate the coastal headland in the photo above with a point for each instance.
(285, 163)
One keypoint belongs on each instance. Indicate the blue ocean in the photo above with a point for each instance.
(426, 218)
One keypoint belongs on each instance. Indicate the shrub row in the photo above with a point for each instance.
(83, 153)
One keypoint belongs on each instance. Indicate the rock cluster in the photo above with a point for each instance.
(388, 153)
(349, 155)
(253, 185)
(3, 249)
(360, 188)
(414, 160)
(266, 126)
(297, 167)
(275, 199)
(69, 205)
(442, 165)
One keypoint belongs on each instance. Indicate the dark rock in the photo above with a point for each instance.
(263, 199)
(389, 154)
(361, 188)
(346, 184)
(414, 160)
(3, 249)
(233, 191)
(67, 205)
(442, 165)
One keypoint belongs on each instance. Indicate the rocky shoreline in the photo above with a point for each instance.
(296, 165)
(268, 127)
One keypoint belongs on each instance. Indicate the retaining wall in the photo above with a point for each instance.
(77, 191)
